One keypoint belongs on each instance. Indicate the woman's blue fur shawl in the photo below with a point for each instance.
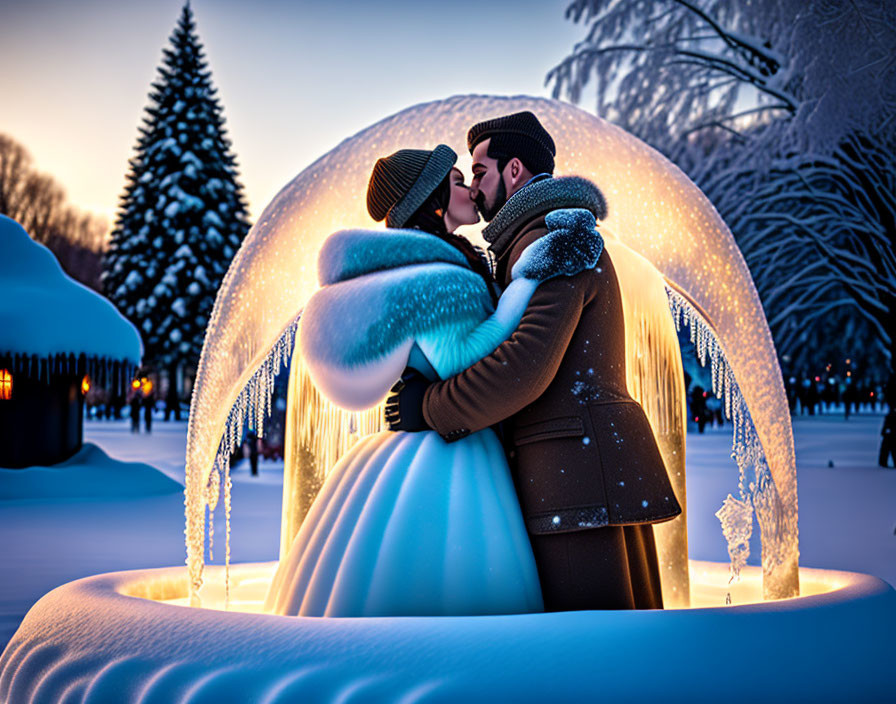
(382, 288)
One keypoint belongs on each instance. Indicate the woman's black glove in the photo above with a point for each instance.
(404, 405)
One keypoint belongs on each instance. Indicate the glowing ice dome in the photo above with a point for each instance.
(658, 221)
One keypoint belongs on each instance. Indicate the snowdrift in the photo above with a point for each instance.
(88, 474)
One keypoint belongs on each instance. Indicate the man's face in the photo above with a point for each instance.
(487, 189)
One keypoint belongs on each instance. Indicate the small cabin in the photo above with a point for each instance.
(57, 338)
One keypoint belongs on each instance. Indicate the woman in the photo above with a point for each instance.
(407, 524)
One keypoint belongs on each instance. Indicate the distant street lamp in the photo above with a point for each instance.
(5, 385)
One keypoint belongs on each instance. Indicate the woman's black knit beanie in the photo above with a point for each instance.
(402, 181)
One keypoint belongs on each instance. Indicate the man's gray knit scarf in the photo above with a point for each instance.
(540, 198)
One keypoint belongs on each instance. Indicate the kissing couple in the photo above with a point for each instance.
(517, 475)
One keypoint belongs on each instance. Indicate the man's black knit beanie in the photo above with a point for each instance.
(518, 135)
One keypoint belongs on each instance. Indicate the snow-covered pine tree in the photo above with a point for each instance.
(182, 215)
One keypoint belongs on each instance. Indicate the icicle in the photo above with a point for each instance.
(736, 514)
(195, 537)
(227, 488)
(736, 517)
(252, 404)
(260, 398)
(213, 488)
(211, 533)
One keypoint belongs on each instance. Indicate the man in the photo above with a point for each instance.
(589, 475)
(888, 439)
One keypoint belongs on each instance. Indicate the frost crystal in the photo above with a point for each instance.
(736, 517)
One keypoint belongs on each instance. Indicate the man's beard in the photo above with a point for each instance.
(500, 199)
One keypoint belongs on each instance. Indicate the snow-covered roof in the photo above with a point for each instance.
(45, 312)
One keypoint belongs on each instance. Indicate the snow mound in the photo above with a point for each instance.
(88, 474)
(111, 638)
(45, 312)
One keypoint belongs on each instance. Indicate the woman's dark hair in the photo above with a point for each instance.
(430, 217)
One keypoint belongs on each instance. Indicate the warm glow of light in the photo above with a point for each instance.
(655, 379)
(710, 587)
(146, 386)
(135, 384)
(5, 385)
(85, 384)
(317, 434)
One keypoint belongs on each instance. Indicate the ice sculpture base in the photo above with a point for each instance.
(126, 637)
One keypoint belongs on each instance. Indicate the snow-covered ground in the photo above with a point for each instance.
(847, 511)
(46, 543)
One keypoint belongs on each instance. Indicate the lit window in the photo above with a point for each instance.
(5, 385)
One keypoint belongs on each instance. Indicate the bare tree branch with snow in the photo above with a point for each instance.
(782, 112)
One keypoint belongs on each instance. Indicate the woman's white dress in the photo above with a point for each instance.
(409, 525)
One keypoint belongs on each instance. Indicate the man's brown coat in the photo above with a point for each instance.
(582, 449)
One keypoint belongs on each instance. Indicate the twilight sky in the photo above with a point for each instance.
(295, 77)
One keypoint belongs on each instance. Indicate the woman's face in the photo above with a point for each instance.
(461, 208)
